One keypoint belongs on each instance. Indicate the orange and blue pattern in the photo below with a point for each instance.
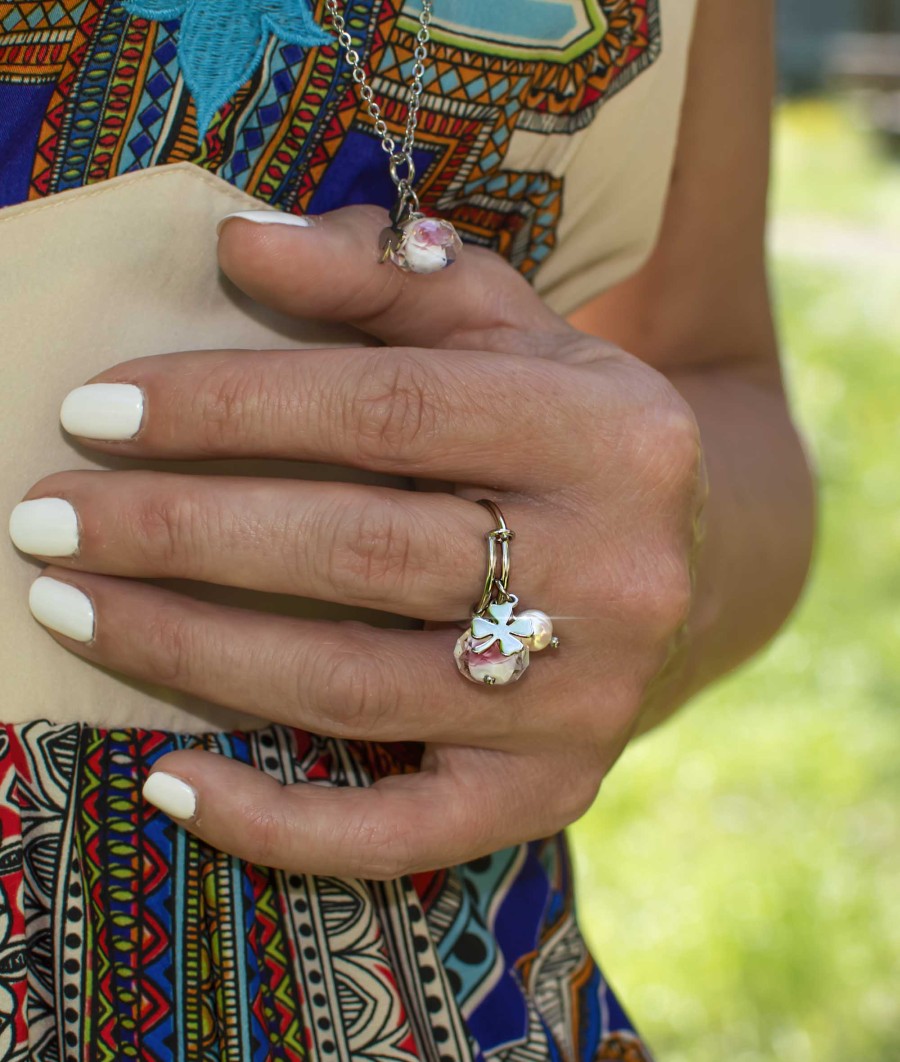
(89, 89)
(124, 936)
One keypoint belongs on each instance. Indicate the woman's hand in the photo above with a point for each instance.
(593, 457)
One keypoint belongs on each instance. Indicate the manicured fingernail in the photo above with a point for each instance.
(171, 795)
(269, 217)
(109, 411)
(62, 607)
(46, 527)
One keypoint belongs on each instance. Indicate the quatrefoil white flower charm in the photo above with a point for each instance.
(494, 648)
(500, 630)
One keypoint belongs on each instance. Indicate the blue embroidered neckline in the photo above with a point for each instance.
(221, 42)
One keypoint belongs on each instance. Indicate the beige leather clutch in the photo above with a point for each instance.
(90, 278)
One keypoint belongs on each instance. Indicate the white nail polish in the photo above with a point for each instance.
(171, 795)
(269, 217)
(107, 411)
(46, 527)
(63, 608)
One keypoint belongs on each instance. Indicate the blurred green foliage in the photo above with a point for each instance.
(739, 875)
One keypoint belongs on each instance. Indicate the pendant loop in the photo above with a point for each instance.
(398, 159)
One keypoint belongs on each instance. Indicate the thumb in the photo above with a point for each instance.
(329, 268)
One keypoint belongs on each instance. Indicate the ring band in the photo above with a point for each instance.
(501, 536)
(495, 648)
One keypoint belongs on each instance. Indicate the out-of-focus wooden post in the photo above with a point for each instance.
(881, 16)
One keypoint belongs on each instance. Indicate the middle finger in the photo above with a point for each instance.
(417, 555)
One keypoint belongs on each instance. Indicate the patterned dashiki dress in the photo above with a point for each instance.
(121, 935)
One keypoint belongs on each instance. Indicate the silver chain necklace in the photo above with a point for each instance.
(413, 242)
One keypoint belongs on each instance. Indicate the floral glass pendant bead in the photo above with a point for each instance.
(425, 245)
(490, 668)
(491, 651)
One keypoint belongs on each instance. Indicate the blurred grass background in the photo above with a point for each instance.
(739, 876)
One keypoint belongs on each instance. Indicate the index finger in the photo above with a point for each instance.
(330, 270)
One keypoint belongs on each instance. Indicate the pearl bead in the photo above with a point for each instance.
(541, 630)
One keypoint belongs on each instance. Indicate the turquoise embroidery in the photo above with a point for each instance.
(539, 21)
(221, 42)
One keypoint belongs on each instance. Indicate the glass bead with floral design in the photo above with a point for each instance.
(491, 651)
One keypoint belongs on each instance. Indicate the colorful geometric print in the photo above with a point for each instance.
(554, 30)
(123, 936)
(91, 91)
(221, 42)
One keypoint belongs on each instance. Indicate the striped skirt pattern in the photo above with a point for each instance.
(122, 936)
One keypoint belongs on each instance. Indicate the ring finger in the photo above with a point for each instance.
(342, 680)
(417, 555)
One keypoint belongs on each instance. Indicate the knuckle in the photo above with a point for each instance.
(265, 832)
(653, 591)
(671, 428)
(576, 797)
(397, 410)
(665, 596)
(385, 848)
(171, 641)
(371, 552)
(231, 398)
(673, 595)
(372, 215)
(356, 695)
(165, 528)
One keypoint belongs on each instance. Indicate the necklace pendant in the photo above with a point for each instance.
(420, 244)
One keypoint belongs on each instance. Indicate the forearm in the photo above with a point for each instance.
(757, 530)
